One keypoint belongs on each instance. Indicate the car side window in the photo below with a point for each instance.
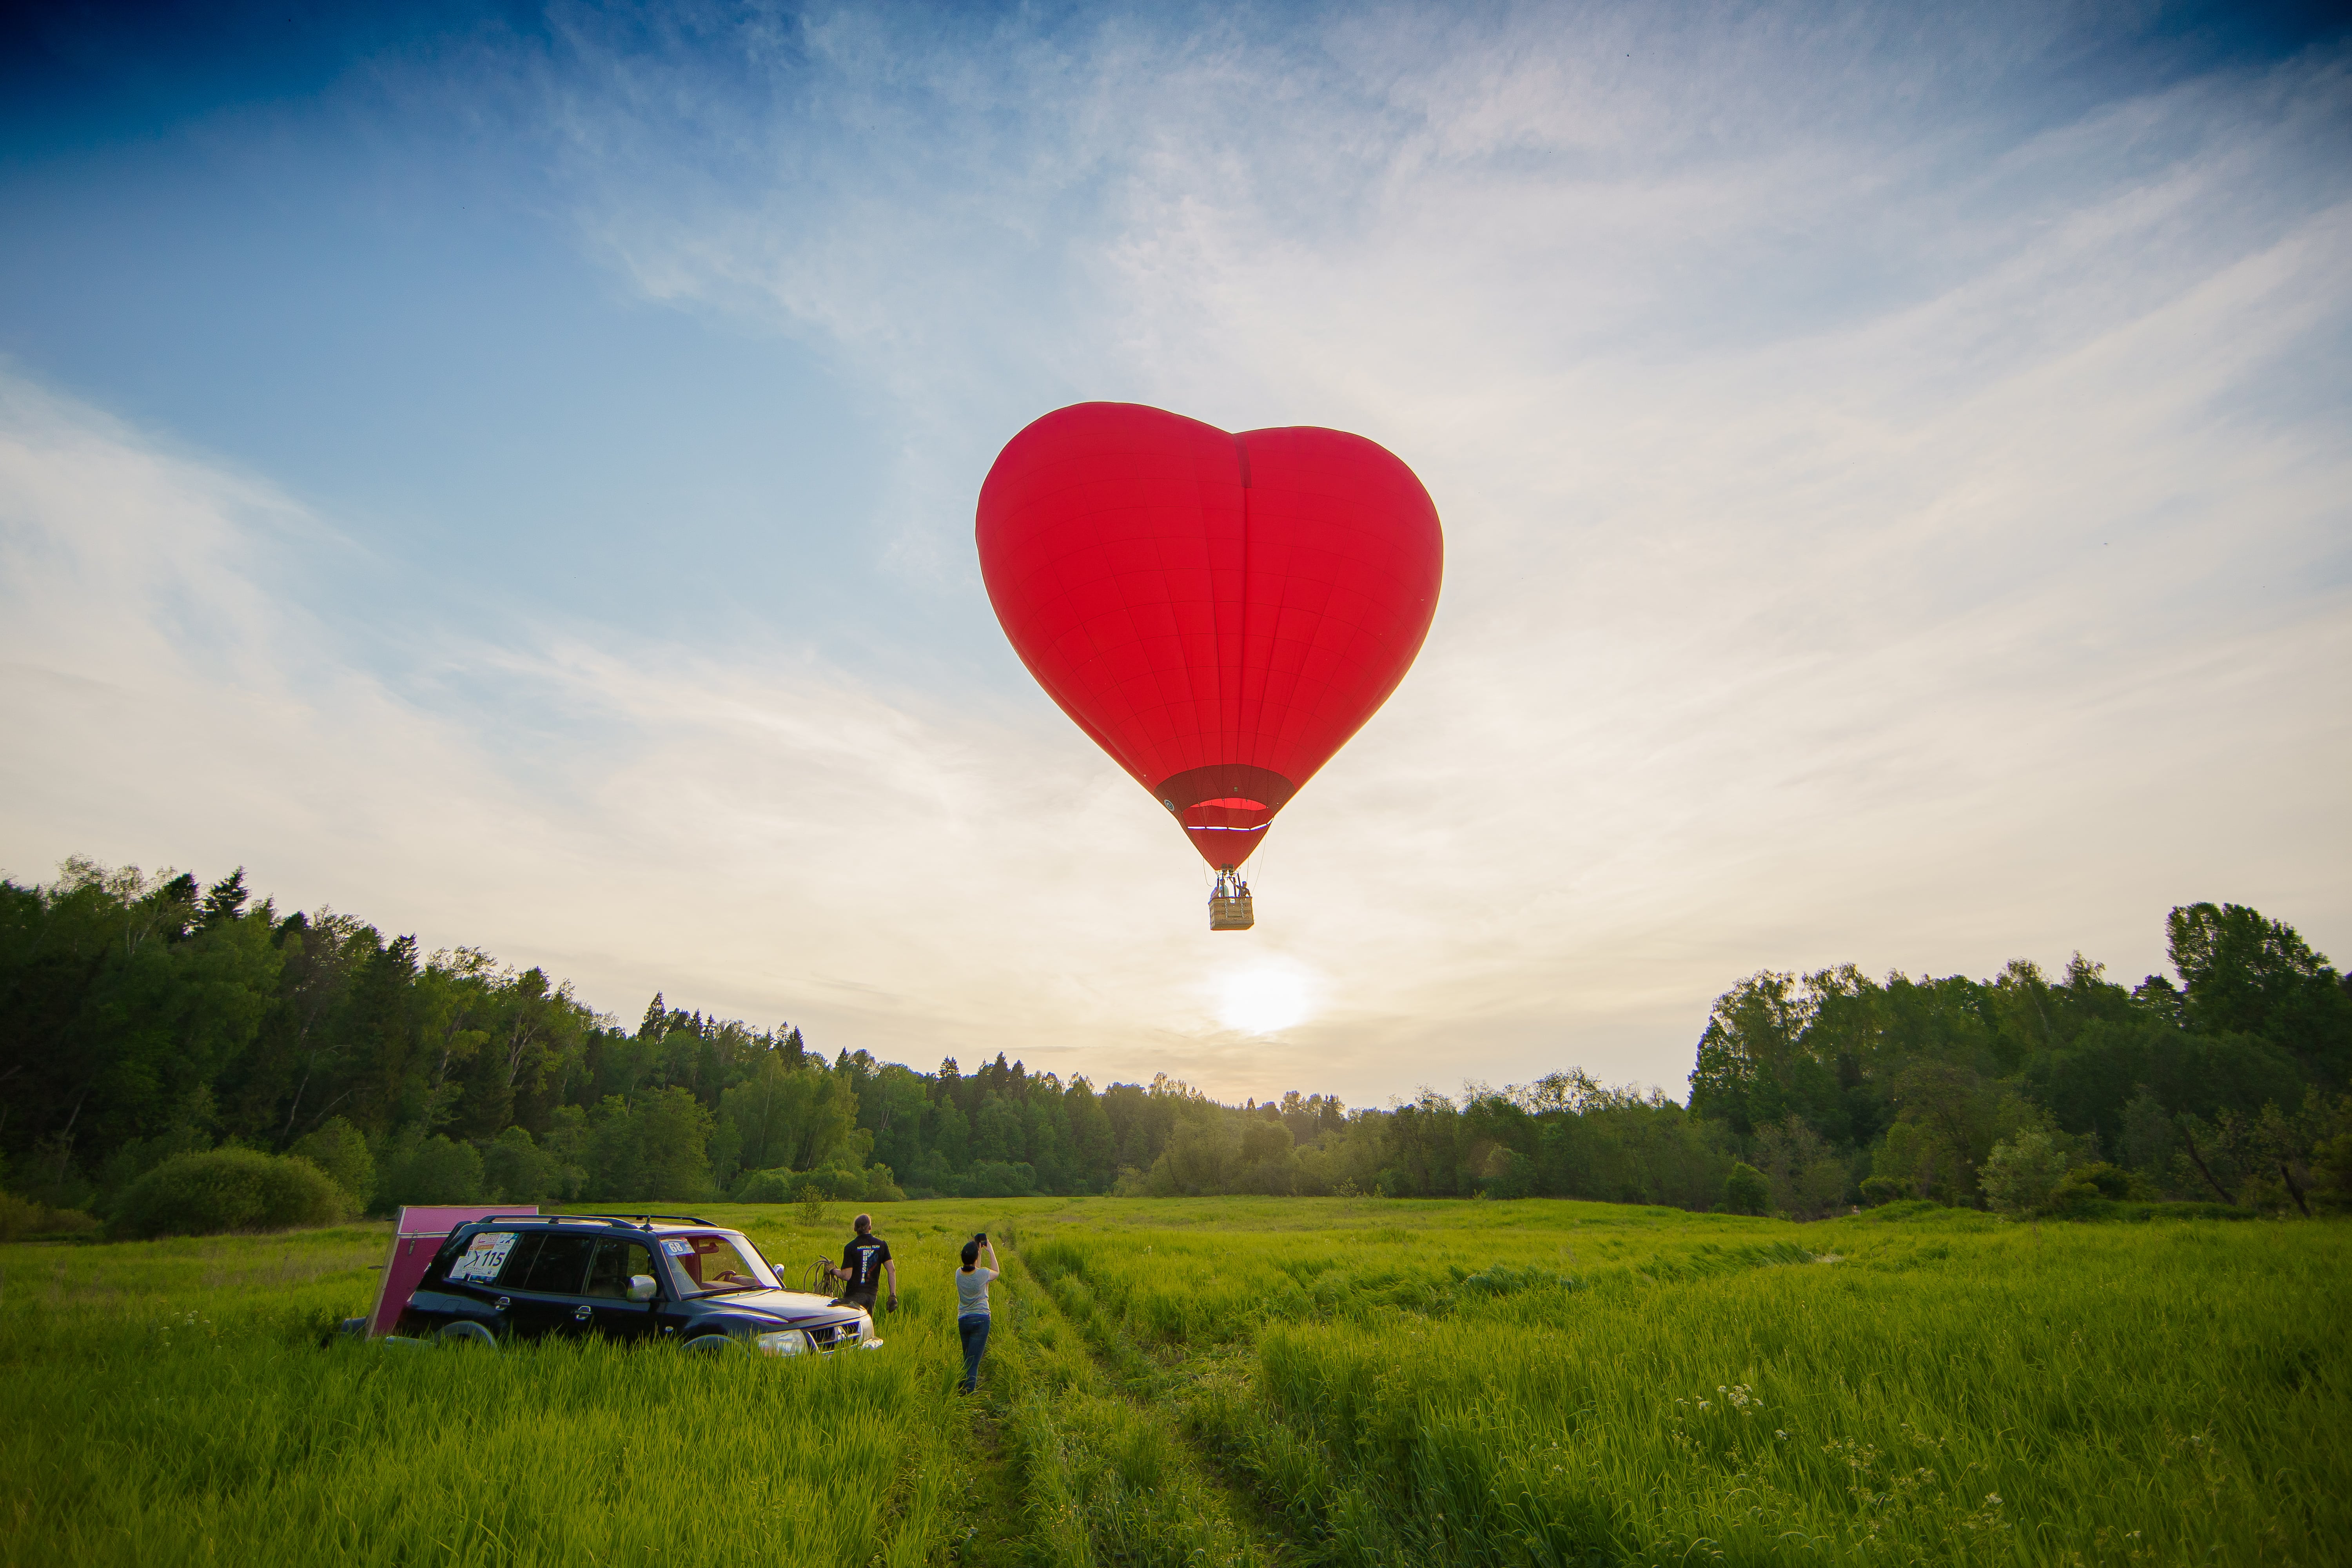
(557, 1268)
(615, 1264)
(526, 1247)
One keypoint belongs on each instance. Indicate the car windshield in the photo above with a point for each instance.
(715, 1263)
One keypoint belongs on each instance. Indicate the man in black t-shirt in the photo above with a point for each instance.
(864, 1264)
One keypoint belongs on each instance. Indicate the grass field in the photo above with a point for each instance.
(1238, 1380)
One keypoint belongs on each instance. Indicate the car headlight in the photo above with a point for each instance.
(784, 1342)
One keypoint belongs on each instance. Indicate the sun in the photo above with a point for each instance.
(1266, 998)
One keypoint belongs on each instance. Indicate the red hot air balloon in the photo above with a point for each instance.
(1219, 611)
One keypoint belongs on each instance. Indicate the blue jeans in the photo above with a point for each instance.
(974, 1330)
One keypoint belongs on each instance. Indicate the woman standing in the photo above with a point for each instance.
(971, 1307)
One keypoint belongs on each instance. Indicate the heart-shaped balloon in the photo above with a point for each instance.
(1220, 611)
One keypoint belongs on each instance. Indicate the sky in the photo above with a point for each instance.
(507, 473)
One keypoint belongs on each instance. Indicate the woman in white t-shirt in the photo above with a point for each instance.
(971, 1307)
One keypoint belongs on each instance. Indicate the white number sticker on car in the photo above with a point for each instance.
(677, 1247)
(484, 1258)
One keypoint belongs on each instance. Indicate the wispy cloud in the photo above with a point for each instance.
(1894, 489)
(914, 873)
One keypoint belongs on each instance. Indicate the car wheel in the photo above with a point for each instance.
(469, 1335)
(715, 1345)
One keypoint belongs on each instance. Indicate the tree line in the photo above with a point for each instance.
(2225, 1082)
(147, 1017)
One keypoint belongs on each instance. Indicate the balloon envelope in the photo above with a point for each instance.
(1219, 611)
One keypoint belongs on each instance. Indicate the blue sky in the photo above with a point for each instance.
(509, 472)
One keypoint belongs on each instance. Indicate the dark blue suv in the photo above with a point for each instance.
(643, 1278)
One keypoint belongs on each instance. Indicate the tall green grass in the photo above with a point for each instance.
(171, 1402)
(1375, 1382)
(1557, 1384)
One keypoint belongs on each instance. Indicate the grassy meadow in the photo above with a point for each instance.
(1237, 1380)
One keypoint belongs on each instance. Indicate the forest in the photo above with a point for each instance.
(147, 1018)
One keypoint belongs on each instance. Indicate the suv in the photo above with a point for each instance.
(644, 1278)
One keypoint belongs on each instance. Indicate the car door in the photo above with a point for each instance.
(469, 1284)
(546, 1293)
(618, 1263)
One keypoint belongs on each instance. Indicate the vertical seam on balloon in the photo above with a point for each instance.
(1241, 670)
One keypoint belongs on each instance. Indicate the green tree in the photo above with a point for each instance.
(338, 1148)
(1093, 1143)
(518, 1171)
(996, 1132)
(1808, 1179)
(1269, 1158)
(651, 1149)
(791, 1118)
(2245, 974)
(435, 1169)
(1203, 1156)
(1750, 1049)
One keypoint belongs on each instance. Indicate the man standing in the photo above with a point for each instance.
(864, 1264)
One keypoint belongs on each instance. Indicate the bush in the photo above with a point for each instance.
(2022, 1177)
(438, 1171)
(764, 1187)
(2073, 1197)
(338, 1148)
(847, 1184)
(855, 1184)
(998, 1179)
(2112, 1181)
(2139, 1213)
(1878, 1190)
(1746, 1190)
(21, 1218)
(227, 1189)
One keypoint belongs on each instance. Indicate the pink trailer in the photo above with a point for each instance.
(415, 1237)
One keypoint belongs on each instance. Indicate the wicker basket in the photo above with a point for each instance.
(1232, 912)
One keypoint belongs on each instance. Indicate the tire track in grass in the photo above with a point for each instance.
(1163, 1397)
(1105, 1477)
(989, 1531)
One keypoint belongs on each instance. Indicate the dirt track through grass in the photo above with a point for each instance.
(1154, 1395)
(1103, 1478)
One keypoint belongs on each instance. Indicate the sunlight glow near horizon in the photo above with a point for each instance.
(1266, 997)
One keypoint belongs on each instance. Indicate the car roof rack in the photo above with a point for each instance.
(626, 1222)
